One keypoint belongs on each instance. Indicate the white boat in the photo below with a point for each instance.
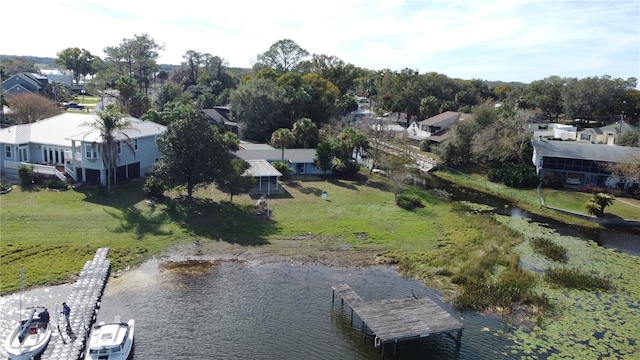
(29, 338)
(111, 341)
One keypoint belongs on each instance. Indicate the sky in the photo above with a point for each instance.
(506, 40)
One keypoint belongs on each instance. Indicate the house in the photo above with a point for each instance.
(606, 134)
(553, 130)
(581, 164)
(221, 115)
(66, 147)
(436, 127)
(301, 161)
(25, 83)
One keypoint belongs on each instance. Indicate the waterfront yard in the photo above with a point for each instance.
(446, 245)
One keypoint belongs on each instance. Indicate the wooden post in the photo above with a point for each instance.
(333, 296)
(459, 340)
(351, 316)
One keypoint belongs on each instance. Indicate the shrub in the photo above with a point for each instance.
(425, 145)
(553, 179)
(347, 168)
(408, 201)
(54, 183)
(154, 187)
(549, 249)
(284, 169)
(25, 173)
(514, 175)
(576, 279)
(4, 186)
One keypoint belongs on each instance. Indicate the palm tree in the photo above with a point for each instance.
(598, 202)
(111, 124)
(305, 131)
(282, 138)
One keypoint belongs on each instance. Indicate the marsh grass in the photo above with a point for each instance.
(576, 279)
(550, 249)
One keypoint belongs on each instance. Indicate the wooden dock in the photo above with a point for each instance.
(397, 320)
(84, 301)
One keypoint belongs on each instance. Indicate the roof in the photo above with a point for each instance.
(617, 128)
(292, 155)
(584, 151)
(258, 168)
(61, 129)
(440, 118)
(252, 146)
(221, 115)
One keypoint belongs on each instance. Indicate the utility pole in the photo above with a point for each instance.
(1, 92)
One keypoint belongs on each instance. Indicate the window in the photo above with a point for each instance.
(119, 146)
(585, 137)
(7, 152)
(91, 152)
(135, 144)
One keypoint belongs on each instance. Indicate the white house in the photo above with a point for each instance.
(67, 147)
(553, 130)
(435, 126)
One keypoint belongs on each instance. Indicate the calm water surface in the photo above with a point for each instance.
(245, 311)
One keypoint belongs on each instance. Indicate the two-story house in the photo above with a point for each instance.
(435, 127)
(67, 147)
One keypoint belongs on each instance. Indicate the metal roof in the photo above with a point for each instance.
(584, 151)
(61, 129)
(291, 155)
(261, 168)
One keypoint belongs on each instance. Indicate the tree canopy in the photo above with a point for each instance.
(193, 152)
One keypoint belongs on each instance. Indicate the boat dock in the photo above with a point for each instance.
(397, 320)
(84, 301)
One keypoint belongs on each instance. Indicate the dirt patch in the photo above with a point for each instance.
(204, 256)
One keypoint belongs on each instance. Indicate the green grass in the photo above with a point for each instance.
(574, 201)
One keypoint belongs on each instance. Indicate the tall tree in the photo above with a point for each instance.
(261, 107)
(28, 107)
(282, 138)
(193, 152)
(112, 125)
(78, 61)
(305, 131)
(283, 56)
(134, 58)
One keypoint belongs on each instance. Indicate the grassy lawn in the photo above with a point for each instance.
(624, 208)
(54, 233)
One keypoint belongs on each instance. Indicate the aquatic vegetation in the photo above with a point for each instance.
(593, 324)
(576, 279)
(549, 249)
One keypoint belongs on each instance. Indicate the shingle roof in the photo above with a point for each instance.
(585, 151)
(434, 120)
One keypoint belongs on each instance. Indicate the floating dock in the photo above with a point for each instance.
(397, 320)
(84, 300)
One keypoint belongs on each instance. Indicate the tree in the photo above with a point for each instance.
(282, 138)
(283, 56)
(233, 180)
(598, 202)
(78, 61)
(629, 138)
(305, 131)
(193, 152)
(134, 58)
(10, 66)
(396, 168)
(28, 107)
(324, 156)
(112, 125)
(629, 169)
(261, 107)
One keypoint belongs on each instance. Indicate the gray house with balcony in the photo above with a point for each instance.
(66, 147)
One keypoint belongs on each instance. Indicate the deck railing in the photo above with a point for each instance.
(12, 166)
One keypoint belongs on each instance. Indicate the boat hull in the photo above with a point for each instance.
(33, 344)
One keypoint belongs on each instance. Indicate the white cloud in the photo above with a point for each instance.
(520, 40)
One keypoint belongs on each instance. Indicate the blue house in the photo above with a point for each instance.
(301, 161)
(25, 83)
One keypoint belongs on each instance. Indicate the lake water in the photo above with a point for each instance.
(242, 310)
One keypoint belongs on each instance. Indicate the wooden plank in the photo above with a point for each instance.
(400, 319)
